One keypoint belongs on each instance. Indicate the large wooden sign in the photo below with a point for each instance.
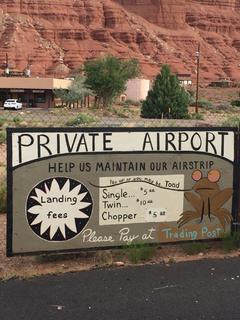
(72, 189)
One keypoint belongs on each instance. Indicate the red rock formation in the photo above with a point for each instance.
(185, 23)
(164, 13)
(154, 31)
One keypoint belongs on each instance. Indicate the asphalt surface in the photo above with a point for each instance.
(207, 289)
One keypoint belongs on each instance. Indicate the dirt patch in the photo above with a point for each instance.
(2, 157)
(219, 95)
(25, 267)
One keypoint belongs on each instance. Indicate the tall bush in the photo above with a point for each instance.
(166, 98)
(107, 77)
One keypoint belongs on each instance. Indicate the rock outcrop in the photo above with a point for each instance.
(67, 32)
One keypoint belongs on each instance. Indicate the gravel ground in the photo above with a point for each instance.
(29, 266)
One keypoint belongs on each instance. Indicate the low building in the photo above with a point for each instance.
(32, 92)
(185, 79)
(137, 89)
(221, 83)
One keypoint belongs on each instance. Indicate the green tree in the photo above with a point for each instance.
(107, 76)
(166, 98)
(76, 92)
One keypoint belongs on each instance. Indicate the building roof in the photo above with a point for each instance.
(34, 83)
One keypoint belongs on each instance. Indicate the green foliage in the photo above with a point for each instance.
(192, 248)
(192, 97)
(140, 252)
(197, 116)
(79, 88)
(191, 93)
(167, 98)
(233, 121)
(3, 196)
(77, 91)
(121, 113)
(235, 103)
(3, 136)
(17, 120)
(107, 76)
(82, 118)
(124, 104)
(192, 101)
(231, 241)
(133, 103)
(204, 103)
(2, 121)
(61, 94)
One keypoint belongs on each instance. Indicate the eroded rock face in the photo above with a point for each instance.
(215, 24)
(154, 31)
(164, 13)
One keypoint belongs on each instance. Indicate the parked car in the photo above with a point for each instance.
(12, 104)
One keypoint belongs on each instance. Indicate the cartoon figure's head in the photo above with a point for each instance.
(206, 185)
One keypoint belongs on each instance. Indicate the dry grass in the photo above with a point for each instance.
(219, 95)
(3, 155)
(2, 172)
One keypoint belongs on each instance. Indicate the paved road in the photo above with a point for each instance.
(193, 290)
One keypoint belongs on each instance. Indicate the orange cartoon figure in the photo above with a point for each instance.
(208, 199)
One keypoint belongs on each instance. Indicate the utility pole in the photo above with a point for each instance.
(197, 84)
(7, 70)
(27, 71)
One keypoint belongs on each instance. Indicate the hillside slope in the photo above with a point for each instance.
(154, 31)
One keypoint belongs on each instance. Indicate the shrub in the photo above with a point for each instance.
(121, 113)
(140, 252)
(133, 103)
(235, 103)
(233, 121)
(231, 241)
(81, 119)
(2, 121)
(204, 103)
(75, 93)
(167, 98)
(17, 120)
(192, 248)
(124, 104)
(197, 116)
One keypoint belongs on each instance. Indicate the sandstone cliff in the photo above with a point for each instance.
(58, 36)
